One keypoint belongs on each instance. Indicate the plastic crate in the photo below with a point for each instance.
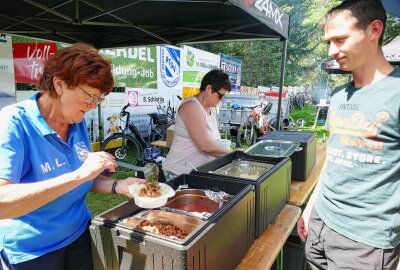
(302, 161)
(272, 188)
(117, 247)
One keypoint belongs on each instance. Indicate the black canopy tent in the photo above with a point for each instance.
(121, 23)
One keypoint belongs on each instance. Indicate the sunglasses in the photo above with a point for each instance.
(92, 98)
(220, 95)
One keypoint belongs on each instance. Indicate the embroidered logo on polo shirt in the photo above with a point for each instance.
(81, 150)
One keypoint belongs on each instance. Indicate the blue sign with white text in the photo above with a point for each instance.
(233, 67)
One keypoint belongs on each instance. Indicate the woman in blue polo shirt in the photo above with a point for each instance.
(47, 166)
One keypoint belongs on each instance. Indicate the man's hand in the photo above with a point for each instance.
(302, 229)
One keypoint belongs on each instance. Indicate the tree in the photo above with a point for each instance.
(261, 59)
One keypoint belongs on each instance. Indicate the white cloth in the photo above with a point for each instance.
(183, 148)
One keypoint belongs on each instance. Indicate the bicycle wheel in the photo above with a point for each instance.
(159, 133)
(129, 152)
(246, 135)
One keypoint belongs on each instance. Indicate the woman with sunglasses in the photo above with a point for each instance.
(196, 134)
(47, 166)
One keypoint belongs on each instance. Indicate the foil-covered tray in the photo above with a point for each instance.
(273, 148)
(195, 200)
(149, 220)
(246, 169)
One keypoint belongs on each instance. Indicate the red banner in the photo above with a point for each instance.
(29, 59)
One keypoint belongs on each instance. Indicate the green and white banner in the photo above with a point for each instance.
(134, 66)
(195, 64)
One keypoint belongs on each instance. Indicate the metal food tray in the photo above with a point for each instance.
(123, 246)
(186, 223)
(246, 169)
(273, 148)
(194, 200)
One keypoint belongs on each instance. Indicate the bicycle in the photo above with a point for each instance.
(131, 147)
(158, 126)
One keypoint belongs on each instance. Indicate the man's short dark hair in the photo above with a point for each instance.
(365, 12)
(217, 79)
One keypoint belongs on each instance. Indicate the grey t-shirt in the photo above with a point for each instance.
(360, 192)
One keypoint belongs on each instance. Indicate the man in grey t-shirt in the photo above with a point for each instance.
(352, 220)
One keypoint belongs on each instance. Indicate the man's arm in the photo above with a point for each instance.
(302, 223)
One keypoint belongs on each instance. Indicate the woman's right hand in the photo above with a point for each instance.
(95, 164)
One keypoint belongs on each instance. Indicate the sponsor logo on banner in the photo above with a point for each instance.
(190, 59)
(133, 98)
(29, 60)
(144, 97)
(170, 65)
(268, 9)
(233, 67)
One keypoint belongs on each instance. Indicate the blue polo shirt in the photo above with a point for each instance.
(31, 152)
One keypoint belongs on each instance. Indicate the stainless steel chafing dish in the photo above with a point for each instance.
(273, 148)
(245, 169)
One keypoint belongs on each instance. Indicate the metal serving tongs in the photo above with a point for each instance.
(150, 170)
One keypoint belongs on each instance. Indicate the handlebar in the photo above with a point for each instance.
(124, 108)
(251, 107)
(123, 111)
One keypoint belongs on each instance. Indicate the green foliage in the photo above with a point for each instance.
(308, 113)
(261, 59)
(19, 39)
(392, 28)
(306, 46)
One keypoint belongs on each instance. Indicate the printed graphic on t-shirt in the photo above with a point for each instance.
(356, 132)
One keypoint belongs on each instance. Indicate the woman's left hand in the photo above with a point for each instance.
(122, 186)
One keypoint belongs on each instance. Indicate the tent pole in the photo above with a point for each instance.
(281, 79)
(101, 128)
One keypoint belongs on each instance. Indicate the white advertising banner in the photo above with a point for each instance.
(196, 63)
(7, 82)
(169, 68)
(142, 102)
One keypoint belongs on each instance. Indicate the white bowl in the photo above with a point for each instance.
(148, 202)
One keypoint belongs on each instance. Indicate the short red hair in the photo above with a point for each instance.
(77, 64)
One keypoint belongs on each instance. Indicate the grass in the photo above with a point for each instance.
(99, 203)
(308, 113)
